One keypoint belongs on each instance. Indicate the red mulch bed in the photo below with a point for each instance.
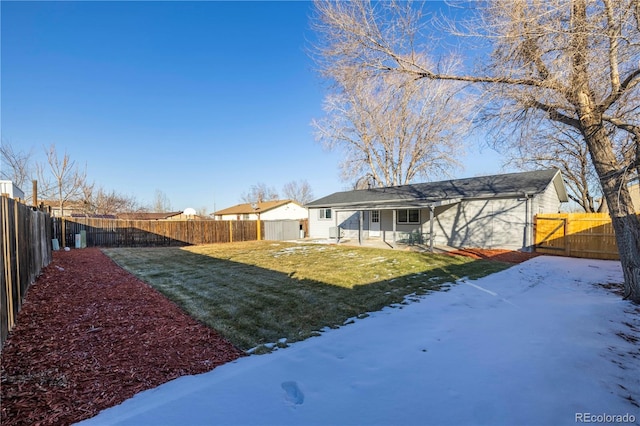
(89, 336)
(498, 255)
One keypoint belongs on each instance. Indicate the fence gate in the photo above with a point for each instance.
(589, 235)
(550, 233)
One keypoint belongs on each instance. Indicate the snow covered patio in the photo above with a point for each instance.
(541, 343)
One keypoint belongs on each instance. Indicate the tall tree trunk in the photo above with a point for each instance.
(625, 221)
(628, 239)
(610, 171)
(60, 201)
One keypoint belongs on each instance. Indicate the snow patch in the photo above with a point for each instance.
(561, 345)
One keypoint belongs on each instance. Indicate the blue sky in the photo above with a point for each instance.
(200, 100)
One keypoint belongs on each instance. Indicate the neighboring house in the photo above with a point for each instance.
(488, 212)
(94, 216)
(11, 190)
(70, 208)
(152, 216)
(74, 209)
(634, 191)
(267, 210)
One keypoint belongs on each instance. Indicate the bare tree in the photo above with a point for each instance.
(574, 63)
(392, 128)
(102, 202)
(299, 191)
(563, 149)
(161, 203)
(68, 180)
(260, 193)
(15, 165)
(112, 203)
(87, 198)
(46, 185)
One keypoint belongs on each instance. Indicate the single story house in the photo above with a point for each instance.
(485, 212)
(70, 207)
(266, 210)
(177, 215)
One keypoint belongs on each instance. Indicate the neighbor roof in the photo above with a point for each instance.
(420, 194)
(247, 208)
(147, 216)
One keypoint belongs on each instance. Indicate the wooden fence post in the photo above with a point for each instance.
(567, 248)
(230, 231)
(8, 264)
(63, 232)
(17, 235)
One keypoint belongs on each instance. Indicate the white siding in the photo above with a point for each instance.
(346, 220)
(288, 211)
(319, 228)
(548, 201)
(251, 216)
(496, 223)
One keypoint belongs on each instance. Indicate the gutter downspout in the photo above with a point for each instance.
(527, 222)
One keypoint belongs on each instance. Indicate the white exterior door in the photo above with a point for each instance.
(374, 223)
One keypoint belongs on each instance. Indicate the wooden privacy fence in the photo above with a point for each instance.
(589, 235)
(151, 233)
(26, 248)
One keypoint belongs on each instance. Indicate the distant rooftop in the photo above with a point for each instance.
(247, 208)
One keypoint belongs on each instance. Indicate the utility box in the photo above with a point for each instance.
(334, 232)
(81, 239)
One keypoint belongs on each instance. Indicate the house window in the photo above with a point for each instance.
(325, 213)
(375, 216)
(246, 217)
(409, 216)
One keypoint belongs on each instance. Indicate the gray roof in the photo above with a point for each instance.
(422, 194)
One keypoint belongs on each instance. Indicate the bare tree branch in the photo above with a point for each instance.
(68, 179)
(298, 191)
(259, 193)
(394, 129)
(15, 165)
(161, 202)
